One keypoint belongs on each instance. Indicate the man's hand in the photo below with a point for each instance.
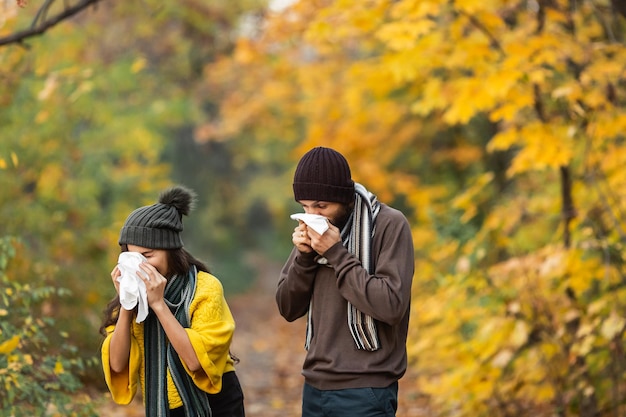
(321, 243)
(300, 238)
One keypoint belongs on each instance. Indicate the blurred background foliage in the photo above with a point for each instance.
(38, 375)
(97, 117)
(496, 126)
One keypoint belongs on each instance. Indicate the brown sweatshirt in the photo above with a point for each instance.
(333, 360)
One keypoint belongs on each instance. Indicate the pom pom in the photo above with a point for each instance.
(182, 198)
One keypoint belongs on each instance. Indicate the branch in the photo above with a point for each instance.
(41, 23)
(42, 13)
(493, 41)
(568, 211)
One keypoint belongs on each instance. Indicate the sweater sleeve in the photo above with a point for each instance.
(295, 285)
(123, 385)
(211, 333)
(386, 294)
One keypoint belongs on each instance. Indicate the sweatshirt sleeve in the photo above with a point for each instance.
(295, 285)
(123, 385)
(211, 333)
(386, 294)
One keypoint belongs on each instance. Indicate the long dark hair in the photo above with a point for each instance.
(179, 261)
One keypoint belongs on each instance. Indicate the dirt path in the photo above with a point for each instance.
(271, 353)
(270, 349)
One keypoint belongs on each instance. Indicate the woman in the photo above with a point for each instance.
(180, 353)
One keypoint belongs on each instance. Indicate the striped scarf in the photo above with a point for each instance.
(357, 237)
(161, 356)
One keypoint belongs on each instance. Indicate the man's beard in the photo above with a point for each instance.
(342, 217)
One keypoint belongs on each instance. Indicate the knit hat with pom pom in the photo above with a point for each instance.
(159, 226)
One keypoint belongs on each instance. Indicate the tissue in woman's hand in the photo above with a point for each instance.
(132, 289)
(314, 221)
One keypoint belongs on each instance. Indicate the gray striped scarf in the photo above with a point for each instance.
(357, 237)
(161, 356)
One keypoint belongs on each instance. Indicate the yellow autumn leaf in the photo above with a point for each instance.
(513, 104)
(403, 34)
(433, 99)
(58, 368)
(547, 146)
(544, 392)
(8, 346)
(50, 86)
(245, 52)
(596, 307)
(471, 6)
(365, 19)
(607, 126)
(138, 64)
(468, 201)
(483, 388)
(498, 84)
(547, 50)
(3, 164)
(549, 350)
(612, 326)
(584, 346)
(42, 116)
(319, 30)
(520, 333)
(595, 98)
(409, 10)
(490, 20)
(502, 358)
(52, 175)
(606, 70)
(470, 99)
(570, 91)
(83, 88)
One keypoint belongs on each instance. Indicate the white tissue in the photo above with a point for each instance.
(314, 221)
(132, 288)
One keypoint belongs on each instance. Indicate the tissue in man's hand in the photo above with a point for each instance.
(314, 221)
(132, 288)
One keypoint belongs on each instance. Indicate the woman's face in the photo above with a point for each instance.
(156, 257)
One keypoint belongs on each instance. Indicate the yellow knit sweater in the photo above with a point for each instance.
(211, 331)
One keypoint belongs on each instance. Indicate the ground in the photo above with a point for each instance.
(271, 353)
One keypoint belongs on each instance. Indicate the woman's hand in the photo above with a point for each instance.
(155, 284)
(155, 288)
(115, 274)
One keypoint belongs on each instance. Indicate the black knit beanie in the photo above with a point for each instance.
(159, 226)
(323, 174)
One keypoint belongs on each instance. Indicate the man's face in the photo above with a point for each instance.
(336, 213)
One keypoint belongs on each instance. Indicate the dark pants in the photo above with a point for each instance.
(227, 403)
(353, 402)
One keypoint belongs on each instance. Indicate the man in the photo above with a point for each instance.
(354, 283)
